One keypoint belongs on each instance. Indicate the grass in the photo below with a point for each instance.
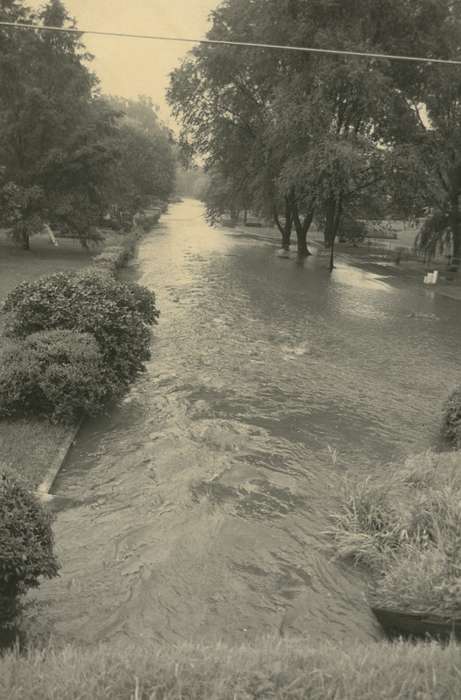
(268, 669)
(404, 527)
(28, 446)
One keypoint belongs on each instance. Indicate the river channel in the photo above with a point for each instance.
(196, 509)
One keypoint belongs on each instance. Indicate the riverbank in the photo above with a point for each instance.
(29, 446)
(34, 447)
(282, 669)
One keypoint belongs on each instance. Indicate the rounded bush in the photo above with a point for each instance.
(26, 547)
(56, 374)
(452, 418)
(118, 314)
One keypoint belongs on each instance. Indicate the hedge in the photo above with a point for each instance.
(58, 374)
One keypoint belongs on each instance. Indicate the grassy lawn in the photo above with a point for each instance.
(268, 669)
(25, 445)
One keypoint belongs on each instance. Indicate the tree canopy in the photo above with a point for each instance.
(305, 137)
(61, 141)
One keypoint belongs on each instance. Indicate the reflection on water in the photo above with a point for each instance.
(196, 509)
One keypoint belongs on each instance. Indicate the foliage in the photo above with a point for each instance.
(145, 168)
(404, 526)
(54, 374)
(191, 182)
(314, 135)
(452, 419)
(118, 314)
(53, 166)
(148, 219)
(352, 230)
(26, 546)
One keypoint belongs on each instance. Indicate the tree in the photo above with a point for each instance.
(271, 121)
(146, 165)
(54, 128)
(316, 135)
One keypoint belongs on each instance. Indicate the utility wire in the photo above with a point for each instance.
(278, 47)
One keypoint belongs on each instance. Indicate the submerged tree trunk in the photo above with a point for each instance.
(234, 216)
(333, 221)
(302, 228)
(455, 226)
(287, 227)
(25, 239)
(329, 222)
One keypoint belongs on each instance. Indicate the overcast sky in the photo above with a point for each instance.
(130, 67)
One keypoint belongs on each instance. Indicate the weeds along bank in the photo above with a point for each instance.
(73, 344)
(404, 527)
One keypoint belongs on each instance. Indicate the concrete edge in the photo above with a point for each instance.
(45, 486)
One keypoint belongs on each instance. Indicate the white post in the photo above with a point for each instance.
(51, 235)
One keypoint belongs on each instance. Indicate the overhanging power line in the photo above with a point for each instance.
(223, 42)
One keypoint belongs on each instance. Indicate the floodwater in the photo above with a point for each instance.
(197, 509)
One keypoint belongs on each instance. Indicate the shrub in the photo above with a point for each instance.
(149, 218)
(452, 419)
(58, 374)
(109, 259)
(26, 548)
(118, 314)
(115, 257)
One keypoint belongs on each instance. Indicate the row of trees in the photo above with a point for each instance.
(69, 155)
(302, 137)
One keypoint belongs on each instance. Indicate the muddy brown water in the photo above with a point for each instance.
(196, 509)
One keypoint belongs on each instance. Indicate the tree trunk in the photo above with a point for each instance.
(25, 240)
(301, 231)
(234, 216)
(286, 229)
(329, 222)
(455, 225)
(333, 230)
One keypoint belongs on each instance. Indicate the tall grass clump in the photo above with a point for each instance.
(404, 527)
(451, 427)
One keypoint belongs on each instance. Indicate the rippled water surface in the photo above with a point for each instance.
(197, 508)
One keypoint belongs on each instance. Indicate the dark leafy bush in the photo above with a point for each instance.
(56, 374)
(109, 259)
(148, 219)
(452, 418)
(352, 230)
(117, 313)
(26, 548)
(114, 258)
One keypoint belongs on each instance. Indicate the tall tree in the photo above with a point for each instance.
(54, 129)
(146, 165)
(314, 134)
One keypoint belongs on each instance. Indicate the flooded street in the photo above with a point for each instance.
(197, 507)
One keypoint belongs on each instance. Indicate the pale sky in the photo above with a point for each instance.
(130, 67)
